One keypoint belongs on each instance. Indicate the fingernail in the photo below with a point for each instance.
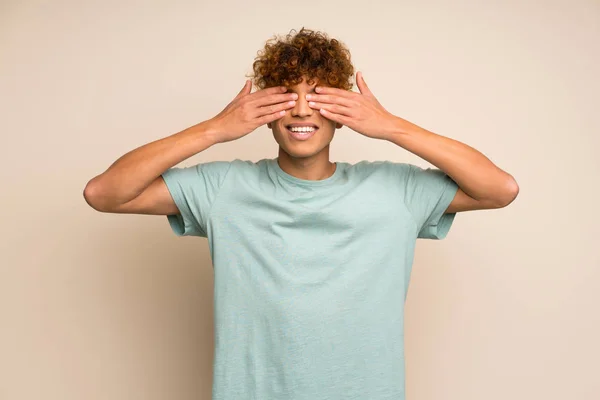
(308, 97)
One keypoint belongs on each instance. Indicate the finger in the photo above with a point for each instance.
(274, 108)
(362, 85)
(268, 91)
(334, 91)
(265, 119)
(336, 117)
(332, 108)
(274, 99)
(245, 91)
(331, 99)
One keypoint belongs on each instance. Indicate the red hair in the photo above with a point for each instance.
(310, 54)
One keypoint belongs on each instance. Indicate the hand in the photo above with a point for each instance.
(246, 112)
(360, 112)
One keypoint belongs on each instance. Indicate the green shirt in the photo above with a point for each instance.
(310, 277)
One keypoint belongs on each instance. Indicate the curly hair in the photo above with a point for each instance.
(307, 54)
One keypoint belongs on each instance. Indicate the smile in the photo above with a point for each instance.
(301, 133)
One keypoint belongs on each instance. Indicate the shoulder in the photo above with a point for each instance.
(406, 171)
(226, 167)
(382, 168)
(239, 171)
(248, 167)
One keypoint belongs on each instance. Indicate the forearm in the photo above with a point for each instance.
(132, 173)
(474, 173)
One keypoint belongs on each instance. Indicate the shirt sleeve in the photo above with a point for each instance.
(428, 193)
(194, 190)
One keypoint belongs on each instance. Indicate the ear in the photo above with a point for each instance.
(338, 125)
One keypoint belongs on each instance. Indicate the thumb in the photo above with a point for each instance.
(246, 89)
(362, 85)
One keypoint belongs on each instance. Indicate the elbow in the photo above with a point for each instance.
(93, 197)
(510, 191)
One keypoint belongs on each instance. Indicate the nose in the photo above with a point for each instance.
(301, 109)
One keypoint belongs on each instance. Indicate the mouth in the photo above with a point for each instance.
(301, 131)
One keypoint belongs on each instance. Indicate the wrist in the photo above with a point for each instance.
(396, 128)
(207, 130)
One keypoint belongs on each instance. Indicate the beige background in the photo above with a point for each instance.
(96, 306)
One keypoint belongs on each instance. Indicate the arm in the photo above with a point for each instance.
(133, 183)
(482, 185)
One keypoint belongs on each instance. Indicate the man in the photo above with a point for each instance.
(312, 258)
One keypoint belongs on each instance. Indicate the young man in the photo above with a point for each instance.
(312, 258)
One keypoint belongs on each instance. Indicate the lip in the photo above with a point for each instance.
(296, 124)
(299, 136)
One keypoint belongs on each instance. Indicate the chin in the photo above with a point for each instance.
(297, 153)
(302, 149)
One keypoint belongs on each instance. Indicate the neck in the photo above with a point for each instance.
(313, 168)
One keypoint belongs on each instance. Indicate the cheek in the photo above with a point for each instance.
(330, 125)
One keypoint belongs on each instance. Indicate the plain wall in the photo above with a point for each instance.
(99, 306)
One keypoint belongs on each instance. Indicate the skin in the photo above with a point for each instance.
(482, 184)
(133, 183)
(308, 159)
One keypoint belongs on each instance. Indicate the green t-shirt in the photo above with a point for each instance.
(310, 277)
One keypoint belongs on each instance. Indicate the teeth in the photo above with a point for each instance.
(304, 129)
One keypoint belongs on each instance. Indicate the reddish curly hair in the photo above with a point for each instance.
(284, 62)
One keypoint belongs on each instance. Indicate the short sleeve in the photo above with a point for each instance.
(427, 194)
(194, 190)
